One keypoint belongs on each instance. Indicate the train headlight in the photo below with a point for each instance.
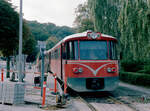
(80, 70)
(111, 70)
(77, 70)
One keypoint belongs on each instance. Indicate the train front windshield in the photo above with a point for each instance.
(91, 50)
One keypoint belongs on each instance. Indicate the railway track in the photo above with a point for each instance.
(123, 102)
(107, 98)
(91, 107)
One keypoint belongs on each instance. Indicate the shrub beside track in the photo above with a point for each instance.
(135, 78)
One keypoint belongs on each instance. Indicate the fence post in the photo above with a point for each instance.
(55, 84)
(44, 93)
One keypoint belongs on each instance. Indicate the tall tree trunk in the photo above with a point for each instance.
(8, 67)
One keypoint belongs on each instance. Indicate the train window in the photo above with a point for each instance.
(67, 50)
(113, 51)
(72, 50)
(56, 54)
(64, 52)
(59, 53)
(93, 50)
(76, 50)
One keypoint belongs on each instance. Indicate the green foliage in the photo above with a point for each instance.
(129, 21)
(147, 69)
(135, 66)
(134, 25)
(131, 66)
(83, 21)
(43, 31)
(135, 78)
(29, 43)
(9, 31)
(51, 42)
(104, 14)
(8, 28)
(48, 32)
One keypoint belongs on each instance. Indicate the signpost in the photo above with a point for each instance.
(42, 46)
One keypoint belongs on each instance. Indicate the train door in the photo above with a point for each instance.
(61, 62)
(64, 48)
(49, 65)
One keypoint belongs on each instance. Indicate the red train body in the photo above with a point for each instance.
(85, 61)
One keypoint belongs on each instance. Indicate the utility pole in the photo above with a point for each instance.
(20, 43)
(42, 71)
(42, 46)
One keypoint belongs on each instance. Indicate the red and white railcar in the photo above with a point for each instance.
(86, 61)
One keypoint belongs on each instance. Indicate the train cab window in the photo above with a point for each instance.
(72, 50)
(113, 51)
(93, 50)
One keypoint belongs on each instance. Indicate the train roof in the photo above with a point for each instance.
(83, 36)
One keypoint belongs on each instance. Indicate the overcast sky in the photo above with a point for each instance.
(60, 12)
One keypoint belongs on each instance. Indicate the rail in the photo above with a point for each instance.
(124, 102)
(92, 108)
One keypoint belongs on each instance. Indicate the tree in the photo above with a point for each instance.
(104, 14)
(9, 31)
(43, 31)
(51, 42)
(29, 44)
(134, 25)
(83, 20)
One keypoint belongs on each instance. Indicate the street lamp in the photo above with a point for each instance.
(20, 43)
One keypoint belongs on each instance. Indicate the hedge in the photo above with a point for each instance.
(135, 78)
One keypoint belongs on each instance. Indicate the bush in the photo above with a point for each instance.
(135, 78)
(131, 66)
(147, 69)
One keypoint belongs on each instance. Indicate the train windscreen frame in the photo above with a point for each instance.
(91, 50)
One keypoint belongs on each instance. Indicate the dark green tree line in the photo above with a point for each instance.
(42, 31)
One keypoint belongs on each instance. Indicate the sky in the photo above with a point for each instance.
(59, 12)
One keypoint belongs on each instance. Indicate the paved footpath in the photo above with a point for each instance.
(29, 105)
(33, 97)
